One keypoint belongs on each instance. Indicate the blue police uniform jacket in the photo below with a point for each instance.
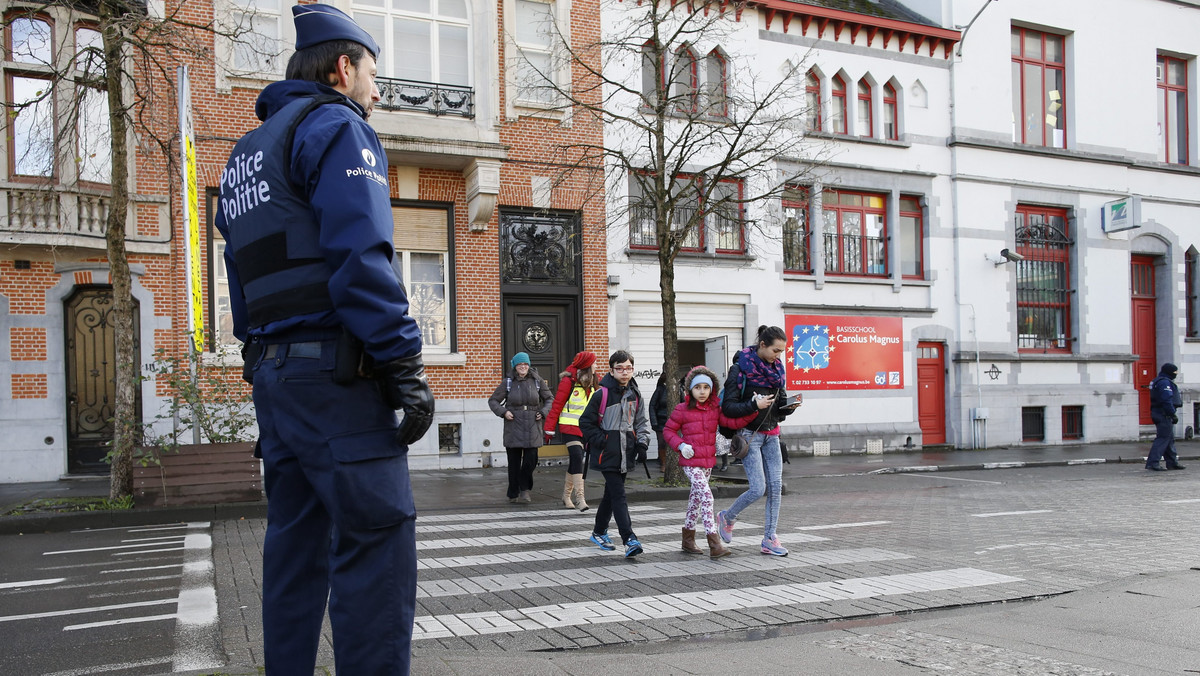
(309, 232)
(1164, 395)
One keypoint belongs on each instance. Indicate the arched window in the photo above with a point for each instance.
(685, 80)
(838, 115)
(891, 122)
(812, 101)
(652, 61)
(866, 117)
(716, 73)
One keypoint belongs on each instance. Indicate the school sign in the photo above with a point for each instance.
(844, 353)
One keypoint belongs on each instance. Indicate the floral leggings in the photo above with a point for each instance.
(700, 500)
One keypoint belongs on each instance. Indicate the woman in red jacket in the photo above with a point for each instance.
(692, 432)
(577, 384)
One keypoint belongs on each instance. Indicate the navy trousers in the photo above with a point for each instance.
(340, 520)
(1164, 441)
(614, 505)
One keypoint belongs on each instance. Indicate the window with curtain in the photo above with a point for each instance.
(257, 48)
(1172, 110)
(422, 237)
(1044, 290)
(1039, 88)
(421, 40)
(535, 36)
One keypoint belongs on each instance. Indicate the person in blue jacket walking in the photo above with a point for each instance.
(332, 353)
(1164, 402)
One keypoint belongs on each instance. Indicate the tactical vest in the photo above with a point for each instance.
(574, 406)
(273, 233)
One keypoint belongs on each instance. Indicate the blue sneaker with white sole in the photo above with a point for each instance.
(602, 541)
(632, 548)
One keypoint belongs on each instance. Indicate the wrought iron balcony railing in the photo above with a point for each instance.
(427, 97)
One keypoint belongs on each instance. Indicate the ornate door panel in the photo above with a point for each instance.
(543, 328)
(91, 377)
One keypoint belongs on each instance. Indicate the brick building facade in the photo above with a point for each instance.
(501, 250)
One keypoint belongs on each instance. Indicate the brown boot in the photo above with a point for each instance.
(715, 549)
(689, 541)
(568, 486)
(580, 503)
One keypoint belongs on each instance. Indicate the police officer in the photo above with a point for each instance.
(332, 353)
(1164, 400)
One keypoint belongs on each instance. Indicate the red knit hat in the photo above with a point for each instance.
(583, 360)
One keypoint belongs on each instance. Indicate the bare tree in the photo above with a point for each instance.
(110, 86)
(698, 133)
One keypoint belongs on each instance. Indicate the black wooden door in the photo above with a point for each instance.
(546, 329)
(91, 378)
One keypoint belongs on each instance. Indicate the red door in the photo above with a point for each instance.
(931, 392)
(1144, 335)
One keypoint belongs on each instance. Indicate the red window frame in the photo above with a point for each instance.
(688, 99)
(838, 101)
(721, 89)
(1191, 258)
(863, 210)
(812, 92)
(700, 239)
(1043, 279)
(1164, 92)
(916, 212)
(740, 218)
(798, 197)
(1022, 60)
(890, 113)
(866, 97)
(648, 52)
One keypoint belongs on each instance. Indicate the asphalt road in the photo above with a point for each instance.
(1066, 570)
(129, 600)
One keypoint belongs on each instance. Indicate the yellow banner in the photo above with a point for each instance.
(191, 214)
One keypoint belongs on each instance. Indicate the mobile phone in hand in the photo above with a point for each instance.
(793, 400)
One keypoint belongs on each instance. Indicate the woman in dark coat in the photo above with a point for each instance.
(522, 399)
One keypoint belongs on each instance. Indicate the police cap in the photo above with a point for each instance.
(321, 23)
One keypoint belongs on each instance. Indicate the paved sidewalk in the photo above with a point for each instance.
(455, 489)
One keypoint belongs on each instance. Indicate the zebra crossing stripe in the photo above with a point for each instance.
(581, 534)
(695, 603)
(567, 522)
(523, 514)
(483, 584)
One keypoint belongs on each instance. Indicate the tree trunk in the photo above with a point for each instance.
(672, 473)
(126, 430)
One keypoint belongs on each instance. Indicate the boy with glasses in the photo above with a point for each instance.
(617, 427)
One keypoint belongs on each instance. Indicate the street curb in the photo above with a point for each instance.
(912, 469)
(57, 522)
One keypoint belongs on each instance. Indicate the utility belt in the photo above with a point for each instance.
(350, 360)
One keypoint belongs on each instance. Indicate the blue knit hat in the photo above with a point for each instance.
(519, 358)
(321, 23)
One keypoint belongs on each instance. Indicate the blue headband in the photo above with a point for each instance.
(701, 379)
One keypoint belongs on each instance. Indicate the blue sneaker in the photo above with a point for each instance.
(725, 527)
(603, 541)
(773, 547)
(632, 548)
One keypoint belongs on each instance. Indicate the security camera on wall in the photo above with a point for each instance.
(1011, 255)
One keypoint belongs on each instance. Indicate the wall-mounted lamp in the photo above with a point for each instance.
(1005, 257)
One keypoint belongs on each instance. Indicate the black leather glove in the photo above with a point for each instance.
(640, 452)
(1174, 420)
(404, 387)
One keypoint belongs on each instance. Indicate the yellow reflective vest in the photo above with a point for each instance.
(574, 406)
